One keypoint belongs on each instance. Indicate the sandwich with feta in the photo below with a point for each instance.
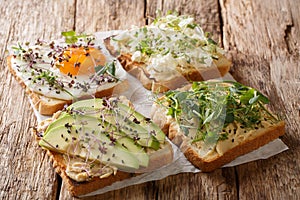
(168, 53)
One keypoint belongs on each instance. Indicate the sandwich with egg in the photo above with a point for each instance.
(96, 142)
(214, 122)
(170, 52)
(59, 72)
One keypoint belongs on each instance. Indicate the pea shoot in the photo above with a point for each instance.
(209, 107)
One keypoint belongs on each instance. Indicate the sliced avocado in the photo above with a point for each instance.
(132, 123)
(132, 130)
(91, 121)
(68, 120)
(138, 120)
(89, 143)
(135, 149)
(88, 103)
(142, 121)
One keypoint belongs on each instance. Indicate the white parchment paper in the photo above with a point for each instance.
(142, 99)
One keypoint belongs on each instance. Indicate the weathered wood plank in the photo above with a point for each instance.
(26, 171)
(93, 16)
(261, 37)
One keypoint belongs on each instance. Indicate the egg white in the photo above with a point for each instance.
(22, 70)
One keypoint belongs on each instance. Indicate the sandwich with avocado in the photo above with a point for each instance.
(94, 143)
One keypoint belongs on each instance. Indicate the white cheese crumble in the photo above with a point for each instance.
(167, 43)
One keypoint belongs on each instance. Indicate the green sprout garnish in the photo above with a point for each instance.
(71, 37)
(210, 107)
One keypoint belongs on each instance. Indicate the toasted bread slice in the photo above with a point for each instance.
(137, 69)
(168, 53)
(217, 159)
(48, 106)
(78, 175)
(208, 157)
(158, 159)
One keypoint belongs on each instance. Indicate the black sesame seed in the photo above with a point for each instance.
(232, 140)
(136, 121)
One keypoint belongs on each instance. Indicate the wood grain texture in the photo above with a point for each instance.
(101, 15)
(26, 171)
(262, 39)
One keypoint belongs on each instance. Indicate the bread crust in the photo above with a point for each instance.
(158, 159)
(48, 106)
(246, 146)
(137, 69)
(81, 188)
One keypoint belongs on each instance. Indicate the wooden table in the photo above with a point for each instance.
(262, 39)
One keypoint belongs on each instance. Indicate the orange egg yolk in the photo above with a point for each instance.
(81, 61)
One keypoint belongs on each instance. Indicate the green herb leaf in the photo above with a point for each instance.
(68, 33)
(211, 41)
(100, 69)
(211, 106)
(71, 37)
(109, 68)
(245, 98)
(191, 26)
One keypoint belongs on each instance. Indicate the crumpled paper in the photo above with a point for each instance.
(142, 100)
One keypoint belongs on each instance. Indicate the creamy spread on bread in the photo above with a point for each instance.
(65, 71)
(216, 116)
(80, 170)
(236, 135)
(97, 137)
(168, 43)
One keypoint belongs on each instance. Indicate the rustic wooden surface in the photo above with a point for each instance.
(262, 39)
